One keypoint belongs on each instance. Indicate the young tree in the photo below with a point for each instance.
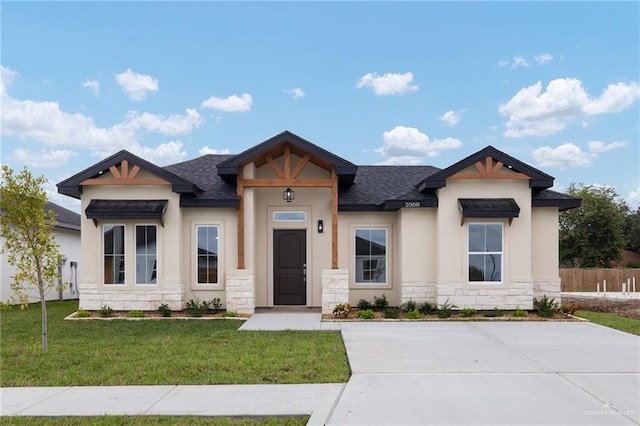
(592, 235)
(28, 237)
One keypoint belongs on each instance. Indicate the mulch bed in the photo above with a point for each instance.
(629, 308)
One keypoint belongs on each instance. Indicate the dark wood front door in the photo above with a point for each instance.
(289, 267)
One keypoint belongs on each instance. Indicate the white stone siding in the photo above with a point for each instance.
(509, 296)
(335, 288)
(131, 300)
(241, 291)
(418, 291)
(551, 288)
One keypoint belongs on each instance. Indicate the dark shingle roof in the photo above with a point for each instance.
(489, 207)
(549, 198)
(66, 218)
(126, 209)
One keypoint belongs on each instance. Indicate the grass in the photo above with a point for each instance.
(160, 352)
(628, 325)
(153, 420)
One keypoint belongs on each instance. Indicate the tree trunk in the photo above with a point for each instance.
(43, 308)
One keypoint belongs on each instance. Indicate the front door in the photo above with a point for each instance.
(289, 267)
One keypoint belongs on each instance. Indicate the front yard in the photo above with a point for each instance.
(121, 352)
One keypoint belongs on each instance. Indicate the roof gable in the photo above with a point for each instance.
(124, 159)
(537, 179)
(346, 171)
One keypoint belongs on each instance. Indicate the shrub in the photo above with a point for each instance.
(366, 314)
(135, 314)
(83, 313)
(493, 314)
(468, 312)
(364, 304)
(415, 314)
(215, 305)
(342, 310)
(197, 308)
(409, 306)
(230, 314)
(520, 313)
(391, 313)
(445, 310)
(380, 303)
(427, 308)
(570, 309)
(545, 307)
(105, 311)
(164, 310)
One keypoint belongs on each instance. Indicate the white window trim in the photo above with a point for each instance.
(501, 253)
(135, 255)
(195, 285)
(388, 256)
(102, 255)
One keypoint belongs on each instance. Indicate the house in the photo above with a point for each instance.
(289, 223)
(67, 236)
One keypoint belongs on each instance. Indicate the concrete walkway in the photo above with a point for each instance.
(408, 373)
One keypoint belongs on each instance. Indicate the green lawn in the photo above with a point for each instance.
(160, 352)
(153, 421)
(628, 325)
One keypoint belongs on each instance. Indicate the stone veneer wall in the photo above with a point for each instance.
(510, 296)
(335, 288)
(418, 291)
(551, 288)
(241, 291)
(131, 300)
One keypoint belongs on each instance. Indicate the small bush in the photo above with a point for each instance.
(342, 310)
(215, 305)
(570, 309)
(380, 303)
(364, 304)
(366, 314)
(521, 313)
(197, 308)
(545, 307)
(135, 314)
(468, 312)
(391, 313)
(409, 306)
(427, 308)
(493, 314)
(230, 314)
(164, 310)
(83, 313)
(105, 311)
(415, 314)
(445, 310)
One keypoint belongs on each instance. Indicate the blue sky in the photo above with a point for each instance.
(555, 85)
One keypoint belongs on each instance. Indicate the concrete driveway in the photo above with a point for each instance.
(489, 373)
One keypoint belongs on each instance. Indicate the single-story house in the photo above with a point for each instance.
(67, 236)
(288, 223)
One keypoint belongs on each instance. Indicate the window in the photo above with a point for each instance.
(146, 254)
(485, 252)
(371, 255)
(289, 216)
(113, 254)
(207, 245)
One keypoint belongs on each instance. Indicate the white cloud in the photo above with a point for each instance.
(388, 84)
(206, 150)
(543, 58)
(405, 144)
(295, 93)
(163, 154)
(520, 61)
(136, 86)
(404, 160)
(93, 85)
(43, 158)
(452, 117)
(503, 63)
(174, 124)
(7, 75)
(532, 112)
(599, 146)
(233, 103)
(562, 157)
(633, 199)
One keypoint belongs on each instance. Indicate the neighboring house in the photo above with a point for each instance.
(67, 236)
(289, 223)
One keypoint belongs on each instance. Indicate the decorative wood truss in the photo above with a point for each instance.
(489, 170)
(124, 176)
(289, 176)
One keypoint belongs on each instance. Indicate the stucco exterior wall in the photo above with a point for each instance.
(545, 252)
(416, 252)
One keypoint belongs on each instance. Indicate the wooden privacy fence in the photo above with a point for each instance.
(588, 279)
